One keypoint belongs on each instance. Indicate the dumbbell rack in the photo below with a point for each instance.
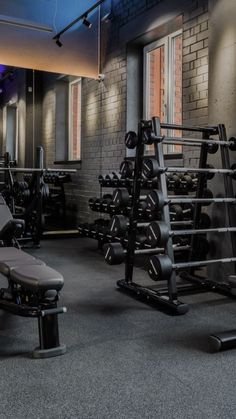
(168, 296)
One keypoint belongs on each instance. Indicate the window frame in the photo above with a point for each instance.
(70, 120)
(14, 106)
(169, 58)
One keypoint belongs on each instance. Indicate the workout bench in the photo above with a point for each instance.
(33, 291)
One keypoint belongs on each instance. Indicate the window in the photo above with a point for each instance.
(163, 82)
(11, 130)
(74, 151)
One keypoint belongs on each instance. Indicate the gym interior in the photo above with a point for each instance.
(117, 209)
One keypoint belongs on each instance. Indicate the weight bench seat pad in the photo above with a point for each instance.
(37, 278)
(11, 253)
(6, 267)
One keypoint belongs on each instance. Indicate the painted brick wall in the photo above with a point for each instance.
(104, 104)
(195, 70)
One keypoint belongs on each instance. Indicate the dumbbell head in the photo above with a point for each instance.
(155, 200)
(121, 197)
(173, 180)
(212, 148)
(176, 212)
(187, 182)
(157, 234)
(233, 167)
(118, 225)
(150, 168)
(131, 139)
(160, 267)
(114, 253)
(232, 146)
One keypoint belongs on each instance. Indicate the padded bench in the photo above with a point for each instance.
(33, 291)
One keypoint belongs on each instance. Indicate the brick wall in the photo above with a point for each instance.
(104, 105)
(195, 70)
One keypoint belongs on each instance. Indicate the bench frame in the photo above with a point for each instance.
(19, 301)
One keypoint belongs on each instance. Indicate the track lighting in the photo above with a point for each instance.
(58, 42)
(82, 18)
(86, 22)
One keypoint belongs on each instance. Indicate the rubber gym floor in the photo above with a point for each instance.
(124, 359)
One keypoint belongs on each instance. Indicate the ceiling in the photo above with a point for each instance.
(35, 49)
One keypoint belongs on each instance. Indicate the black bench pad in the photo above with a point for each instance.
(11, 253)
(37, 278)
(6, 267)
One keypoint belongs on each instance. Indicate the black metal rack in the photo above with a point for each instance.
(168, 296)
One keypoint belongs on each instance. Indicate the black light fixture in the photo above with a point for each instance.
(86, 22)
(58, 42)
(83, 17)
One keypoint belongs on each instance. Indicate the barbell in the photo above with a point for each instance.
(151, 169)
(156, 200)
(148, 137)
(119, 224)
(161, 267)
(115, 254)
(158, 232)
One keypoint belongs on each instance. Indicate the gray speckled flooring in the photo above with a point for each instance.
(124, 359)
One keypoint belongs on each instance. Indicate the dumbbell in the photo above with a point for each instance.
(156, 201)
(115, 254)
(161, 267)
(158, 232)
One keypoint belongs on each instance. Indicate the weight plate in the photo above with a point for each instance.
(150, 168)
(160, 267)
(131, 139)
(155, 200)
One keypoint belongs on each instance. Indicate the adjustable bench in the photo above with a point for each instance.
(33, 291)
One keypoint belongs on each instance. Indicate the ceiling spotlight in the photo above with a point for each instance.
(86, 22)
(58, 42)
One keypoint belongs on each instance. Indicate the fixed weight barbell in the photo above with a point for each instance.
(156, 200)
(119, 224)
(115, 254)
(151, 169)
(148, 137)
(158, 232)
(161, 267)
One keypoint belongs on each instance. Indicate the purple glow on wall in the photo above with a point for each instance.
(2, 68)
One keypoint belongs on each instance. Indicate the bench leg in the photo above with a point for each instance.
(49, 344)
